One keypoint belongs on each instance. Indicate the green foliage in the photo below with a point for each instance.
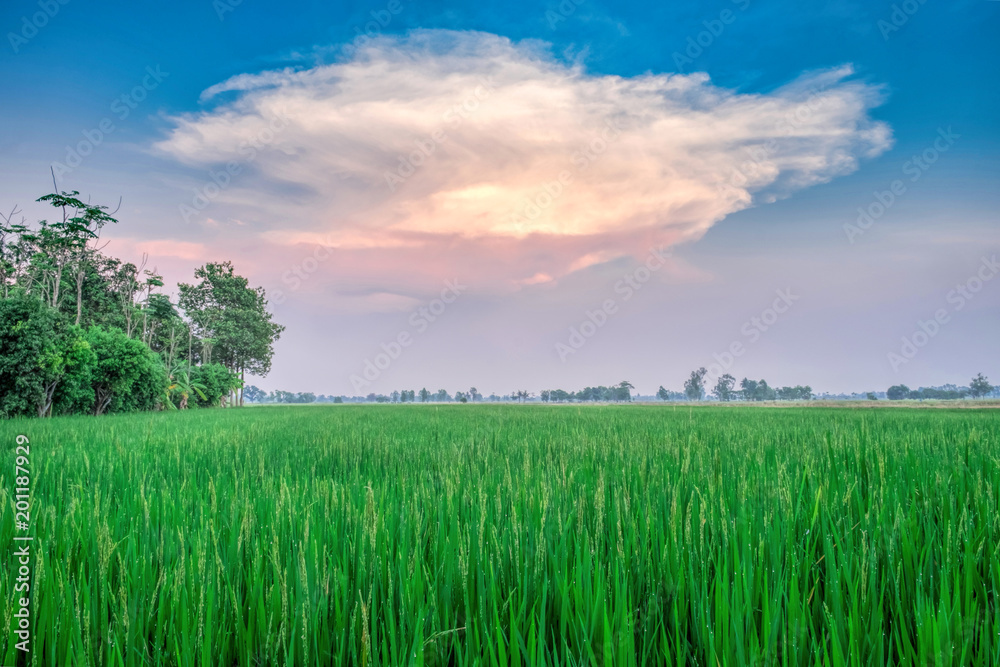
(279, 396)
(233, 315)
(723, 389)
(796, 393)
(897, 392)
(74, 394)
(127, 375)
(980, 386)
(216, 381)
(512, 535)
(28, 331)
(55, 285)
(932, 393)
(622, 392)
(694, 386)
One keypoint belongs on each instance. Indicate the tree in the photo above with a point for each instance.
(694, 386)
(67, 364)
(724, 388)
(897, 392)
(758, 390)
(559, 396)
(78, 230)
(623, 392)
(182, 387)
(253, 394)
(796, 393)
(27, 327)
(127, 375)
(226, 310)
(425, 395)
(217, 383)
(980, 387)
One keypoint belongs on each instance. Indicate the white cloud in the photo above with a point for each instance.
(495, 126)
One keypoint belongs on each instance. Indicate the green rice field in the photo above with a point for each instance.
(509, 535)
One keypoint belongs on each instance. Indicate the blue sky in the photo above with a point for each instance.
(923, 71)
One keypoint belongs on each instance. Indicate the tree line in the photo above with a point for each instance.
(725, 389)
(82, 332)
(979, 387)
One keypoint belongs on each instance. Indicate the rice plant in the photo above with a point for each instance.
(511, 535)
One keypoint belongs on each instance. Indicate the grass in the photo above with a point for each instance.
(512, 535)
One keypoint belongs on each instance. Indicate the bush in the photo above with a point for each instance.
(45, 366)
(215, 381)
(127, 375)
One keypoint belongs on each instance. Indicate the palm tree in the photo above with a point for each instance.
(181, 384)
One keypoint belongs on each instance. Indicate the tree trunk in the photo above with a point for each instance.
(79, 296)
(45, 407)
(55, 288)
(102, 402)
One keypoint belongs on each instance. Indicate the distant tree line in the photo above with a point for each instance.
(979, 387)
(82, 332)
(619, 393)
(724, 390)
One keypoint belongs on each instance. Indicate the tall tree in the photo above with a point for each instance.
(694, 386)
(723, 389)
(980, 386)
(897, 392)
(224, 308)
(66, 246)
(623, 391)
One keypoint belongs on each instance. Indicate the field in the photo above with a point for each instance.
(520, 535)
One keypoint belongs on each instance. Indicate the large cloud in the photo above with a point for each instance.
(478, 153)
